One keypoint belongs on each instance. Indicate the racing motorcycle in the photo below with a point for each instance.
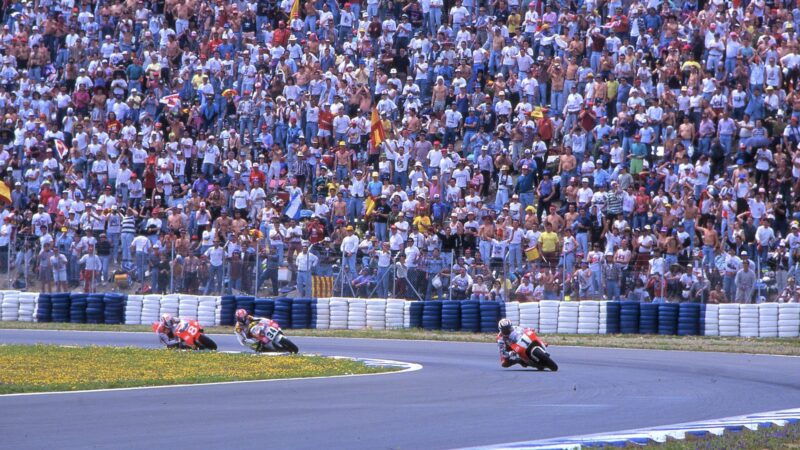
(531, 350)
(192, 336)
(271, 338)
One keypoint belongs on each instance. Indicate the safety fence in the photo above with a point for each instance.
(337, 313)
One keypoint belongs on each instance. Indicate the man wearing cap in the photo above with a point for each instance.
(349, 249)
(745, 282)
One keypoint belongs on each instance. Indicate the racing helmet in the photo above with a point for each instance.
(505, 326)
(241, 315)
(166, 318)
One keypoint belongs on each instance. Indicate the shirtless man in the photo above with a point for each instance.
(485, 233)
(710, 244)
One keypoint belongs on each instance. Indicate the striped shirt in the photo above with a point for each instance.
(129, 224)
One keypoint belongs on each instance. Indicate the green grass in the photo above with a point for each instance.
(787, 437)
(769, 346)
(45, 368)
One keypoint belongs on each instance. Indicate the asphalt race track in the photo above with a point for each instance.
(461, 397)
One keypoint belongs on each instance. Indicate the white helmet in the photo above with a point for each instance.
(505, 326)
(166, 318)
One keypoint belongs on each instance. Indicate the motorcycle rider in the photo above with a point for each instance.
(243, 329)
(166, 331)
(507, 335)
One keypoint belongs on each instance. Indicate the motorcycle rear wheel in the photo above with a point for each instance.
(287, 345)
(206, 343)
(537, 353)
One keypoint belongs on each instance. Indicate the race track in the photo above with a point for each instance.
(460, 398)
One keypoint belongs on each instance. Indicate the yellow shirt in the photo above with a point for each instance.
(423, 223)
(549, 241)
(611, 89)
(513, 22)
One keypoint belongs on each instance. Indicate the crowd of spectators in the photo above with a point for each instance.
(421, 149)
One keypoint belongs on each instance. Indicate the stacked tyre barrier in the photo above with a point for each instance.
(187, 306)
(729, 319)
(94, 308)
(44, 309)
(133, 309)
(227, 310)
(376, 314)
(748, 320)
(789, 320)
(648, 318)
(9, 306)
(668, 318)
(264, 307)
(548, 316)
(151, 308)
(301, 313)
(689, 319)
(323, 318)
(610, 312)
(394, 313)
(415, 311)
(451, 316)
(568, 318)
(766, 320)
(710, 320)
(283, 312)
(61, 307)
(588, 317)
(490, 315)
(432, 315)
(77, 308)
(208, 310)
(114, 308)
(27, 306)
(629, 317)
(529, 315)
(471, 316)
(356, 314)
(170, 304)
(338, 313)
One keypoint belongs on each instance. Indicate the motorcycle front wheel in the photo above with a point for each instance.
(538, 353)
(287, 345)
(206, 343)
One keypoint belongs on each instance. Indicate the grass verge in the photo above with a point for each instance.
(768, 346)
(41, 368)
(786, 437)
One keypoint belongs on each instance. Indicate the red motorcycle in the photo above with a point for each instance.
(531, 350)
(192, 335)
(271, 337)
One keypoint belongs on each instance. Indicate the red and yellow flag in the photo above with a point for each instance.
(295, 13)
(377, 133)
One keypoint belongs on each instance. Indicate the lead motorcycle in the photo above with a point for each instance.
(271, 338)
(531, 350)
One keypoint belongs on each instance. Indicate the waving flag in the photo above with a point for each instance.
(61, 149)
(377, 133)
(171, 100)
(5, 192)
(295, 13)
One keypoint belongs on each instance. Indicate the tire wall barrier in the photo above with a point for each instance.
(765, 320)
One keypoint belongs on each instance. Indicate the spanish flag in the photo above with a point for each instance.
(377, 133)
(5, 192)
(295, 13)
